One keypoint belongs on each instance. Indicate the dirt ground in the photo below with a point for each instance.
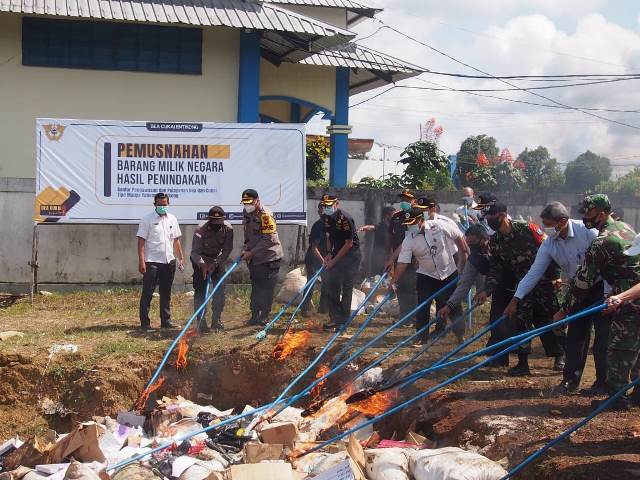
(501, 417)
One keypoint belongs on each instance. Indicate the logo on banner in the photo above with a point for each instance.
(54, 131)
(54, 202)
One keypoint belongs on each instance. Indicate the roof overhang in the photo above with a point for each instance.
(370, 69)
(356, 11)
(286, 35)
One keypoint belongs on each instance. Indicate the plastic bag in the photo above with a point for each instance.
(452, 464)
(293, 282)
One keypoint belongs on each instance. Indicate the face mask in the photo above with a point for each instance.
(329, 210)
(249, 208)
(404, 206)
(161, 209)
(551, 232)
(591, 222)
(413, 229)
(215, 226)
(467, 200)
(494, 223)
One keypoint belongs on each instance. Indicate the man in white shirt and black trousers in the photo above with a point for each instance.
(432, 243)
(158, 246)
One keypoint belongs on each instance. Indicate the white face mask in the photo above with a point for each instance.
(329, 210)
(413, 229)
(551, 232)
(249, 208)
(467, 200)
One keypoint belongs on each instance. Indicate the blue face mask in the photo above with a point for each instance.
(404, 206)
(413, 229)
(162, 209)
(329, 210)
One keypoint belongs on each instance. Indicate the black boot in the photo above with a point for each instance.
(216, 325)
(622, 404)
(558, 363)
(522, 368)
(566, 387)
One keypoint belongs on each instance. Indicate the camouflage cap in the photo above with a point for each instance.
(598, 200)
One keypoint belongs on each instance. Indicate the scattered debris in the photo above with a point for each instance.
(49, 407)
(10, 334)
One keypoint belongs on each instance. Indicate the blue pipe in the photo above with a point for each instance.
(603, 406)
(307, 291)
(188, 324)
(263, 333)
(451, 380)
(529, 334)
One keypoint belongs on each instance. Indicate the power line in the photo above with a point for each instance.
(399, 32)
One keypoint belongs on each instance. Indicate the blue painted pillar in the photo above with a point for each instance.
(339, 131)
(249, 78)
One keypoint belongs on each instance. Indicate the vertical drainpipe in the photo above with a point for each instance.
(339, 131)
(249, 78)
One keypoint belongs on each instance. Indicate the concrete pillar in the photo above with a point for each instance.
(249, 78)
(339, 131)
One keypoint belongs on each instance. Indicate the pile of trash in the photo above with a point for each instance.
(261, 447)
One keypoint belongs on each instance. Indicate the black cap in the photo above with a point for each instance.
(494, 208)
(426, 202)
(410, 217)
(249, 196)
(486, 199)
(328, 200)
(216, 215)
(407, 193)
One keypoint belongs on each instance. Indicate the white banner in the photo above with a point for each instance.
(100, 171)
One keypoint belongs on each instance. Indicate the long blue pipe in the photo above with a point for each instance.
(425, 348)
(453, 379)
(492, 348)
(307, 291)
(188, 324)
(235, 418)
(603, 406)
(263, 333)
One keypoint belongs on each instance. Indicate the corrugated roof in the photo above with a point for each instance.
(370, 68)
(296, 35)
(350, 4)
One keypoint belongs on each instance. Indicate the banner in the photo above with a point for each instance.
(100, 171)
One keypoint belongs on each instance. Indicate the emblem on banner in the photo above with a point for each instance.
(54, 131)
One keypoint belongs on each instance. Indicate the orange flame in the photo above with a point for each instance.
(183, 349)
(376, 404)
(142, 401)
(317, 390)
(290, 343)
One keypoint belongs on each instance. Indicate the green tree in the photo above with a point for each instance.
(392, 181)
(469, 151)
(540, 170)
(427, 167)
(317, 153)
(628, 184)
(587, 171)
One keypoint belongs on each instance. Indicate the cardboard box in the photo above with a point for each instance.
(254, 452)
(262, 471)
(283, 433)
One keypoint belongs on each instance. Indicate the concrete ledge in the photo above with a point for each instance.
(20, 185)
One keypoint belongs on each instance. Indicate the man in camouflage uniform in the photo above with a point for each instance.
(605, 259)
(513, 249)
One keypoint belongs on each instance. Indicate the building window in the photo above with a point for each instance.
(111, 46)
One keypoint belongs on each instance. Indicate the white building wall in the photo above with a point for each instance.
(30, 92)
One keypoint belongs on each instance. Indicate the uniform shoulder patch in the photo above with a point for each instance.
(267, 224)
(537, 232)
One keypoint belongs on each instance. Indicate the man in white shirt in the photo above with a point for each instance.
(158, 246)
(466, 214)
(566, 243)
(430, 241)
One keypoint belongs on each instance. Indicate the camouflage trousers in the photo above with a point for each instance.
(534, 311)
(623, 348)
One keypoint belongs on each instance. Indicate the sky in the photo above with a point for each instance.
(507, 37)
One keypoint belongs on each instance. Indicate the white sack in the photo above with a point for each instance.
(357, 298)
(293, 282)
(387, 464)
(452, 463)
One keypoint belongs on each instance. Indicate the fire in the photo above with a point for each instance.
(317, 390)
(290, 343)
(183, 349)
(142, 401)
(378, 403)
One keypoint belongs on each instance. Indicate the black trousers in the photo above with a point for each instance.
(161, 275)
(427, 286)
(341, 279)
(578, 338)
(199, 289)
(264, 277)
(499, 301)
(406, 293)
(312, 268)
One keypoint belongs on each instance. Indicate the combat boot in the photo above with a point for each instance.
(522, 368)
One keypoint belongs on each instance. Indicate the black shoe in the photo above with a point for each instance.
(520, 370)
(169, 325)
(566, 387)
(204, 328)
(217, 326)
(331, 326)
(622, 404)
(254, 321)
(598, 388)
(145, 328)
(499, 362)
(558, 363)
